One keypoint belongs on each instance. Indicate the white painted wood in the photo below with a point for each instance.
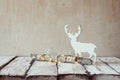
(42, 68)
(17, 67)
(112, 62)
(69, 68)
(106, 77)
(5, 59)
(109, 59)
(100, 68)
(69, 71)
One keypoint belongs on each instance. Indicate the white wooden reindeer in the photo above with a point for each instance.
(78, 46)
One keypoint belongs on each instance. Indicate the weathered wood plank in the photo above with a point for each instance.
(101, 71)
(105, 77)
(42, 71)
(16, 69)
(113, 62)
(109, 59)
(5, 60)
(69, 71)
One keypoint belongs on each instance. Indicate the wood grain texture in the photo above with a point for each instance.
(69, 71)
(109, 59)
(105, 77)
(106, 68)
(42, 71)
(101, 71)
(30, 26)
(17, 67)
(69, 68)
(113, 62)
(5, 59)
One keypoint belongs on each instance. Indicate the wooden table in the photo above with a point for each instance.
(25, 68)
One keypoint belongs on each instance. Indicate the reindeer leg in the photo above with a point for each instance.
(90, 55)
(94, 56)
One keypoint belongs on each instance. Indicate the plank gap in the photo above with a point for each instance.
(8, 62)
(31, 63)
(108, 65)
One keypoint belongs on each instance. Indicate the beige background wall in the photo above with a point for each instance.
(29, 26)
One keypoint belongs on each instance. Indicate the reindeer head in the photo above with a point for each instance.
(72, 35)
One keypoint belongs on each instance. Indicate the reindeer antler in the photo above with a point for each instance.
(67, 32)
(78, 33)
(72, 34)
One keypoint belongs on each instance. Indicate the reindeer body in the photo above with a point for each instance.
(81, 47)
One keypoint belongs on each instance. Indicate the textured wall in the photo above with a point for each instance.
(28, 26)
